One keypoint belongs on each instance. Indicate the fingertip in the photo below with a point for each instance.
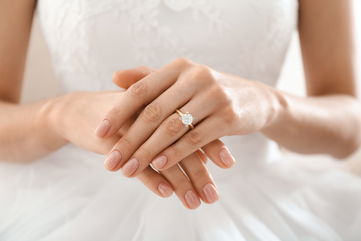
(192, 200)
(130, 168)
(109, 126)
(211, 193)
(123, 78)
(115, 75)
(103, 128)
(126, 78)
(160, 162)
(112, 161)
(165, 190)
(227, 158)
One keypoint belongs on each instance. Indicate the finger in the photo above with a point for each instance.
(201, 179)
(204, 133)
(156, 182)
(138, 95)
(168, 132)
(182, 186)
(125, 78)
(143, 127)
(219, 154)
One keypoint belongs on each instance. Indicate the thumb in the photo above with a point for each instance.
(125, 78)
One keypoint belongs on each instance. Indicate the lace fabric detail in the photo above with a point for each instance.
(146, 24)
(154, 32)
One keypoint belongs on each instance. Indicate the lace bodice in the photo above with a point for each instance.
(89, 39)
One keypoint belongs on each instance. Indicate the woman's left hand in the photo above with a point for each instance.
(221, 105)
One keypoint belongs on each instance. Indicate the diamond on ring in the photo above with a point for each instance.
(186, 118)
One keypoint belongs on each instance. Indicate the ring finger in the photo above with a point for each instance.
(145, 124)
(196, 138)
(167, 133)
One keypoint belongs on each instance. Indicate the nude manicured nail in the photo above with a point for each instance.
(210, 192)
(165, 189)
(130, 167)
(159, 162)
(113, 160)
(227, 158)
(103, 128)
(192, 199)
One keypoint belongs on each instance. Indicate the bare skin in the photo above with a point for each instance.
(327, 121)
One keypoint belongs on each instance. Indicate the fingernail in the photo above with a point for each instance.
(103, 128)
(130, 167)
(192, 199)
(227, 157)
(113, 160)
(210, 192)
(165, 189)
(159, 162)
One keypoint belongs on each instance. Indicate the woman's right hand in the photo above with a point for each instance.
(75, 116)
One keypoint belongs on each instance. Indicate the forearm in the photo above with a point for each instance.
(317, 125)
(26, 132)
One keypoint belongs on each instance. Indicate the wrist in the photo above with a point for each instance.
(50, 118)
(278, 106)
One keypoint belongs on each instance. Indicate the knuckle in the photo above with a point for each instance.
(173, 126)
(173, 153)
(138, 89)
(202, 71)
(182, 62)
(152, 113)
(202, 74)
(194, 137)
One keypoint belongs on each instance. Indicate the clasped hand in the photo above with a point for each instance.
(163, 152)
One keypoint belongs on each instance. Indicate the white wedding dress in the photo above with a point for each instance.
(68, 195)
